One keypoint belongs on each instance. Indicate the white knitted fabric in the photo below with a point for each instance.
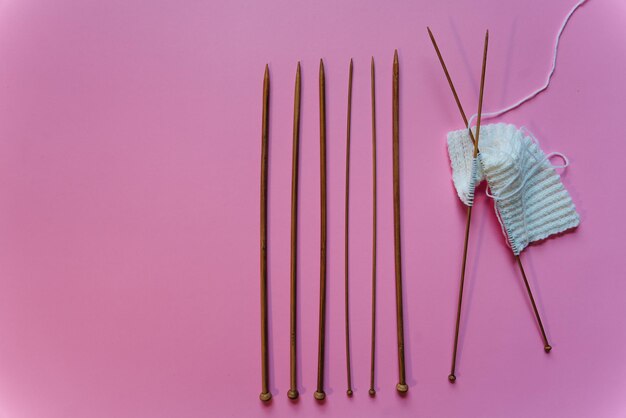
(530, 199)
(466, 171)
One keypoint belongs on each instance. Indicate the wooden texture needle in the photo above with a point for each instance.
(319, 393)
(293, 390)
(452, 375)
(454, 93)
(346, 234)
(372, 390)
(402, 386)
(265, 392)
(547, 346)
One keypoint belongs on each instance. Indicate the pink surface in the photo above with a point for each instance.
(129, 183)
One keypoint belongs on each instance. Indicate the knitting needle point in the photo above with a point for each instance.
(454, 93)
(402, 386)
(265, 392)
(346, 220)
(293, 391)
(547, 347)
(372, 390)
(319, 393)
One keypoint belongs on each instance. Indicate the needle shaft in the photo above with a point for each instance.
(402, 386)
(265, 393)
(293, 391)
(319, 393)
(346, 234)
(372, 390)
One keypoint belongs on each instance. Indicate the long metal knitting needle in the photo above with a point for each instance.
(265, 392)
(347, 208)
(372, 390)
(293, 391)
(547, 346)
(402, 386)
(452, 376)
(319, 393)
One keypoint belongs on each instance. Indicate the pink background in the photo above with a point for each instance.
(129, 195)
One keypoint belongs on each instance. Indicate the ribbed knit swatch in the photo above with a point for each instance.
(531, 201)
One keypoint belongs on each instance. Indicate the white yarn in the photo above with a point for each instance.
(491, 115)
(528, 175)
(530, 200)
(466, 171)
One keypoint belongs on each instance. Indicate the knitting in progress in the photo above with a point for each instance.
(530, 199)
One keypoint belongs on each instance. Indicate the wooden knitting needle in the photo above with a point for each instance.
(372, 390)
(319, 393)
(445, 70)
(293, 391)
(402, 386)
(452, 376)
(547, 346)
(265, 392)
(347, 211)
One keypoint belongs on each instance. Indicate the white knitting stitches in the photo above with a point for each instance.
(466, 172)
(530, 199)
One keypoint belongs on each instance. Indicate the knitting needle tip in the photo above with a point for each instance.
(432, 37)
(395, 56)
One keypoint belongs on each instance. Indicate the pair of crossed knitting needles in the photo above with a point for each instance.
(319, 393)
(547, 347)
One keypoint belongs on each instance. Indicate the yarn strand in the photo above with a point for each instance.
(491, 115)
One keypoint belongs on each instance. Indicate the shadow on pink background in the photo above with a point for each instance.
(129, 190)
